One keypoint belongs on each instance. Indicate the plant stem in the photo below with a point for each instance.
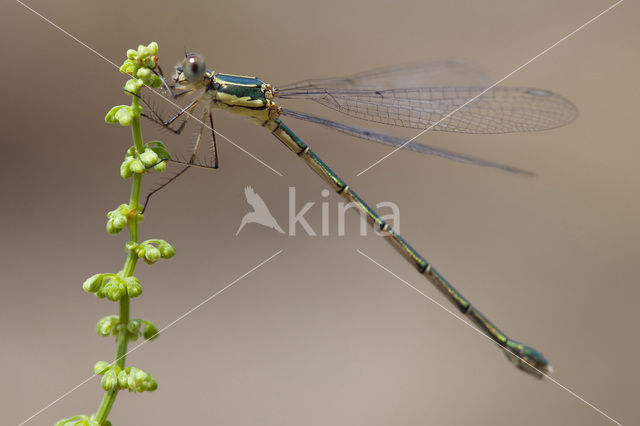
(129, 267)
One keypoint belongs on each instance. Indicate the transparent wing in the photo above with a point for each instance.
(432, 73)
(398, 142)
(500, 110)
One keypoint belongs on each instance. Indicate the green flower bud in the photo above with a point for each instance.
(137, 166)
(101, 367)
(151, 254)
(116, 294)
(149, 63)
(117, 219)
(150, 330)
(166, 250)
(141, 250)
(159, 148)
(124, 116)
(123, 209)
(143, 73)
(131, 280)
(131, 245)
(133, 85)
(111, 115)
(131, 54)
(152, 384)
(134, 289)
(155, 81)
(123, 379)
(149, 157)
(129, 65)
(109, 380)
(135, 377)
(113, 294)
(107, 325)
(120, 222)
(115, 289)
(134, 328)
(111, 228)
(139, 381)
(153, 48)
(160, 167)
(125, 170)
(93, 283)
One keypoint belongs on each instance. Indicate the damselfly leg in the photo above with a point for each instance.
(169, 88)
(155, 117)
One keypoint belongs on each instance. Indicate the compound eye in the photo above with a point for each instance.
(194, 67)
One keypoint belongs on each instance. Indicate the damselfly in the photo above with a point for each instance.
(377, 96)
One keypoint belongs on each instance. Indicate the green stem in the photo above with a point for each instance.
(129, 267)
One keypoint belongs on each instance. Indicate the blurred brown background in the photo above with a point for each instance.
(320, 335)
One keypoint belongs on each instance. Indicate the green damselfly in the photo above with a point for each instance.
(391, 96)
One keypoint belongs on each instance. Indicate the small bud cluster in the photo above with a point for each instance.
(155, 155)
(131, 378)
(139, 65)
(122, 114)
(118, 219)
(152, 250)
(112, 286)
(110, 325)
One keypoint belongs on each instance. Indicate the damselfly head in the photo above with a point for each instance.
(192, 70)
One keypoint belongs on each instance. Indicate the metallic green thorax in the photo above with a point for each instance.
(242, 87)
(244, 95)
